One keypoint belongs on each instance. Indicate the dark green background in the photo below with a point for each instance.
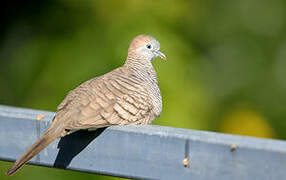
(225, 70)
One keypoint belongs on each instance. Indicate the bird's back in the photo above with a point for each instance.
(118, 97)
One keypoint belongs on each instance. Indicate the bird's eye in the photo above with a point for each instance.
(148, 46)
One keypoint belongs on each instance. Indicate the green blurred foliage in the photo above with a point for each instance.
(225, 69)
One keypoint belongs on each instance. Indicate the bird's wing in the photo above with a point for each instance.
(105, 101)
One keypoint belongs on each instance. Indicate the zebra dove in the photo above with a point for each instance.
(127, 95)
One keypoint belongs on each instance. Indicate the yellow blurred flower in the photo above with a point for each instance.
(246, 122)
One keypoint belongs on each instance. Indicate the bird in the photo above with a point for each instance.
(129, 94)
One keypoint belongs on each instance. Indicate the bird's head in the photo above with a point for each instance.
(145, 47)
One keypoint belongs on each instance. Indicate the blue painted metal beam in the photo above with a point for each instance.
(144, 152)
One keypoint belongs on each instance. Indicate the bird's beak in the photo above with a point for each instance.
(161, 55)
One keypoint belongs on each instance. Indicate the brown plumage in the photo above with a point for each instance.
(127, 95)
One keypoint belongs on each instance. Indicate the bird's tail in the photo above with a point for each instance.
(38, 146)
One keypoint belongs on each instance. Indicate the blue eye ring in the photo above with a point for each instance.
(148, 46)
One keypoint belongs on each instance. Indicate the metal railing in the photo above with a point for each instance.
(143, 152)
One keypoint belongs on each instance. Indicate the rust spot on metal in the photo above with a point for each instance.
(40, 116)
(232, 147)
(186, 162)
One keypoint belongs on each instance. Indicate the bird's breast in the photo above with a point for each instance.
(148, 77)
(154, 92)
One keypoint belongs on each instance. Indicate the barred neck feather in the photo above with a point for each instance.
(143, 69)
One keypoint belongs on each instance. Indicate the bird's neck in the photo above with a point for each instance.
(140, 64)
(145, 72)
(142, 68)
